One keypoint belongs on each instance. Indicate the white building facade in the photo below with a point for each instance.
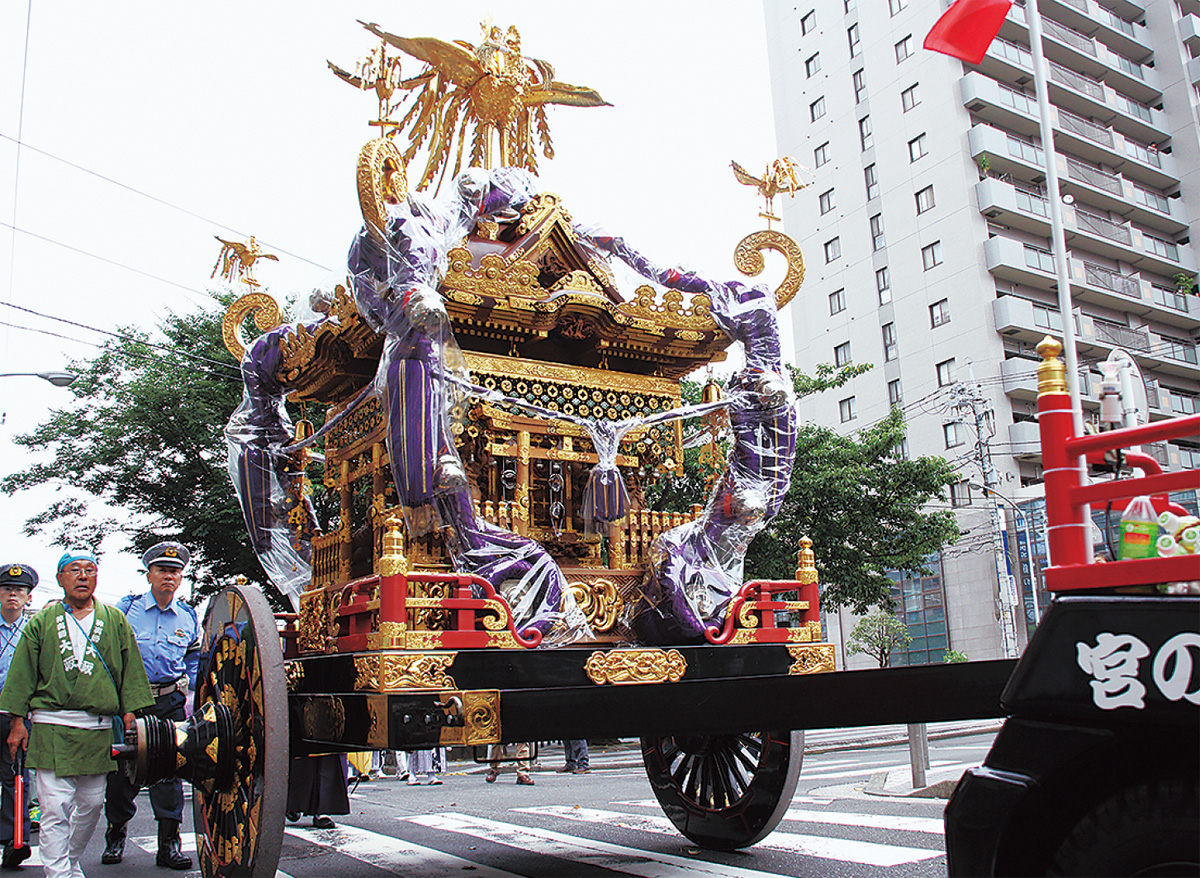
(926, 233)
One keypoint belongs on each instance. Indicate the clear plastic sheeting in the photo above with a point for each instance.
(695, 569)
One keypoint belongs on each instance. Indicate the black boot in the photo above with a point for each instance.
(114, 845)
(170, 849)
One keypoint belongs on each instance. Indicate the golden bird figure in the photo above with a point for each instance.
(236, 261)
(780, 176)
(469, 92)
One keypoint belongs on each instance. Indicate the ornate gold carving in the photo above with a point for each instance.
(748, 259)
(313, 621)
(377, 729)
(577, 280)
(495, 276)
(645, 305)
(1052, 374)
(391, 559)
(630, 666)
(806, 562)
(381, 182)
(324, 718)
(390, 672)
(295, 673)
(576, 376)
(266, 317)
(601, 602)
(815, 659)
(422, 639)
(391, 635)
(236, 261)
(779, 177)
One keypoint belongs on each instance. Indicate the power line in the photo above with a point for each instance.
(109, 261)
(200, 358)
(154, 198)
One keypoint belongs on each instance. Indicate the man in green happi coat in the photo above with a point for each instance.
(76, 667)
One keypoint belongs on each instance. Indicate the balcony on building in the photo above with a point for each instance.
(1098, 337)
(1140, 163)
(1120, 67)
(1116, 28)
(1193, 72)
(1025, 442)
(1131, 293)
(1019, 377)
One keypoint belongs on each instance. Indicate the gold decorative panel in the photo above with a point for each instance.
(817, 658)
(630, 666)
(388, 672)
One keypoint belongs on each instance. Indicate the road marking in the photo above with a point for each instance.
(187, 841)
(615, 858)
(654, 803)
(933, 825)
(827, 775)
(823, 847)
(393, 854)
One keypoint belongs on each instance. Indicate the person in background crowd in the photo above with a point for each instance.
(16, 583)
(317, 786)
(168, 634)
(426, 764)
(78, 669)
(496, 752)
(576, 754)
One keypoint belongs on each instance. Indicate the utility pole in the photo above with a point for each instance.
(968, 401)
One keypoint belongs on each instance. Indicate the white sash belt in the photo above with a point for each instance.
(76, 719)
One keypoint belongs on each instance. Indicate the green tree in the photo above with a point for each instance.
(145, 436)
(879, 634)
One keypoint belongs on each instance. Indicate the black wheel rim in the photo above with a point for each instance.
(239, 828)
(724, 791)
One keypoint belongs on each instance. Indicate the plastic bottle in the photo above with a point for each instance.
(1138, 531)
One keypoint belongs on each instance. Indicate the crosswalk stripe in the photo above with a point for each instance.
(615, 858)
(150, 842)
(840, 818)
(822, 847)
(873, 769)
(396, 855)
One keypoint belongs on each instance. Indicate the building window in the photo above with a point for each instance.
(865, 136)
(841, 354)
(902, 449)
(877, 239)
(916, 148)
(860, 87)
(852, 36)
(939, 312)
(904, 48)
(896, 5)
(847, 409)
(925, 199)
(808, 23)
(825, 201)
(849, 5)
(908, 98)
(945, 372)
(953, 434)
(921, 604)
(960, 492)
(931, 255)
(817, 108)
(883, 283)
(821, 155)
(894, 395)
(837, 301)
(891, 350)
(871, 178)
(812, 65)
(833, 249)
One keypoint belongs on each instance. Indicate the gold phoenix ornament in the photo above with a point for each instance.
(381, 72)
(236, 261)
(490, 94)
(779, 177)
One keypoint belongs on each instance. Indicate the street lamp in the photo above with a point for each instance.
(1023, 517)
(58, 379)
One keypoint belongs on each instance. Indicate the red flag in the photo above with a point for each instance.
(967, 28)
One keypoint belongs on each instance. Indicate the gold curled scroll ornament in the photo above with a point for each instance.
(748, 259)
(266, 317)
(381, 181)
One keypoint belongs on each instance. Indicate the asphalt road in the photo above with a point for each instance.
(604, 823)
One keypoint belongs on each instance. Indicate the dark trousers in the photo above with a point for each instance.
(8, 777)
(166, 797)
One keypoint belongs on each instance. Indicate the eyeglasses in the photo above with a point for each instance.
(85, 569)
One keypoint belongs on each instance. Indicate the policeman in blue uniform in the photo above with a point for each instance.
(168, 636)
(16, 582)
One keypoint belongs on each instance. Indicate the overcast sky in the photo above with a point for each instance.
(225, 112)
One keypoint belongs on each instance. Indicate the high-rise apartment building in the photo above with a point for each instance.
(927, 236)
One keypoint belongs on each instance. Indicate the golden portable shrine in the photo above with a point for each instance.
(498, 400)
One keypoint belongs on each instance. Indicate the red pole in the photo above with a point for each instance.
(1068, 535)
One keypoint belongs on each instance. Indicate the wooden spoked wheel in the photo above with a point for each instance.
(239, 827)
(724, 791)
